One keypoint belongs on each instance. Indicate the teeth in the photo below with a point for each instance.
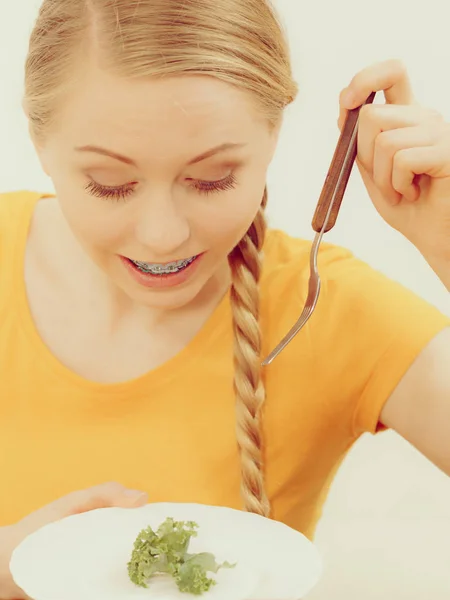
(158, 269)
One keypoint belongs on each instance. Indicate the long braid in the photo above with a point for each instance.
(245, 262)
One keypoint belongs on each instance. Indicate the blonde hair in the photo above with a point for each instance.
(237, 41)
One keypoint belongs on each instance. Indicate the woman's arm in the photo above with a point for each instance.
(404, 160)
(419, 408)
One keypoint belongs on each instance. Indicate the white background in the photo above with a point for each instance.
(386, 531)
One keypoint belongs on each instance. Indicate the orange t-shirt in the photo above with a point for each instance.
(172, 431)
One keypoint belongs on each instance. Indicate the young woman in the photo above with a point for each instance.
(136, 305)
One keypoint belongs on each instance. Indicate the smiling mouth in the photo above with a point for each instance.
(163, 269)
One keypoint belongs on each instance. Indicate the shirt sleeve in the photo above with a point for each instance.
(379, 328)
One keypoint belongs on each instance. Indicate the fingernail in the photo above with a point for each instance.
(134, 494)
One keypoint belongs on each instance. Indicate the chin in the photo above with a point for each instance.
(168, 299)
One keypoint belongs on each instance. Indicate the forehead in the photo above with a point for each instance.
(172, 113)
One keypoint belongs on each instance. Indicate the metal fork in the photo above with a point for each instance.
(325, 217)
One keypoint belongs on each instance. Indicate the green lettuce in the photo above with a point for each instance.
(166, 552)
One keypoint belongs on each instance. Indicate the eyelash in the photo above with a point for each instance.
(123, 192)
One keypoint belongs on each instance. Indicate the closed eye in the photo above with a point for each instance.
(120, 192)
(123, 192)
(222, 185)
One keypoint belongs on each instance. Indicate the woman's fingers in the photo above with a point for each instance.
(102, 496)
(390, 77)
(380, 119)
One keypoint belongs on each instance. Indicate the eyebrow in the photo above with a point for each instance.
(130, 161)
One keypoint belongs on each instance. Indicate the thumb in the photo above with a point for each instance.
(102, 496)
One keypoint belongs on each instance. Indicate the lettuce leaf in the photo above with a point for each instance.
(166, 552)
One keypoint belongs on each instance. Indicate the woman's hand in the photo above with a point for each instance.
(102, 496)
(404, 160)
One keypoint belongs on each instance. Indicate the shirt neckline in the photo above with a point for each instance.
(197, 347)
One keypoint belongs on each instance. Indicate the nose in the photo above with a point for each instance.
(161, 227)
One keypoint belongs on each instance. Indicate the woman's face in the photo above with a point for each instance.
(159, 179)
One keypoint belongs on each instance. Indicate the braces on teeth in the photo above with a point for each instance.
(163, 270)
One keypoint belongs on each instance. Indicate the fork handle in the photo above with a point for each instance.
(339, 173)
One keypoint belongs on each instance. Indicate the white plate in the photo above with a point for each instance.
(85, 557)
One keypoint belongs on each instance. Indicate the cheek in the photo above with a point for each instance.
(93, 222)
(226, 220)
